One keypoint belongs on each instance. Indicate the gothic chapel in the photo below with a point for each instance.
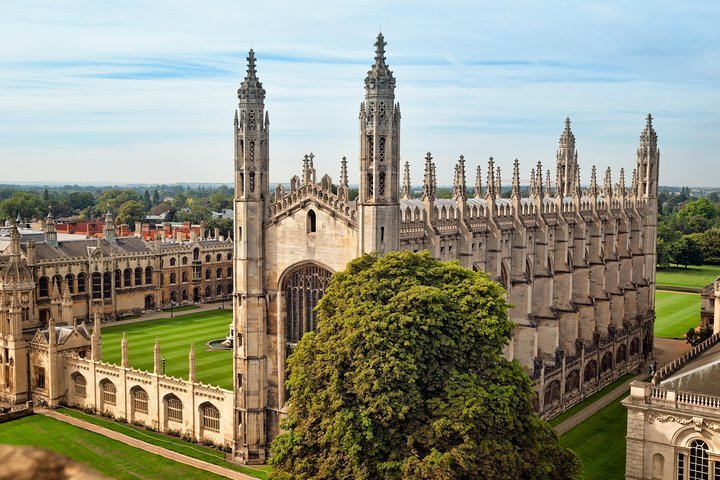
(578, 263)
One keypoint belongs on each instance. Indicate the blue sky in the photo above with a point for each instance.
(144, 91)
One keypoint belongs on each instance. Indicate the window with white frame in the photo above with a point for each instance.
(210, 418)
(79, 385)
(174, 408)
(139, 400)
(109, 393)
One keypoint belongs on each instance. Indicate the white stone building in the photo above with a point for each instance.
(578, 262)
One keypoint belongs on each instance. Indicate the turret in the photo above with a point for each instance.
(378, 198)
(648, 159)
(50, 232)
(566, 162)
(343, 188)
(459, 187)
(478, 182)
(109, 228)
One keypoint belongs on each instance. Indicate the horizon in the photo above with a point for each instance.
(119, 97)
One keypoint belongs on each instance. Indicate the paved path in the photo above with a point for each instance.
(133, 442)
(666, 350)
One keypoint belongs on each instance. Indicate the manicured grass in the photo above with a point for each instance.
(200, 452)
(697, 277)
(175, 336)
(600, 443)
(181, 308)
(110, 457)
(676, 313)
(590, 400)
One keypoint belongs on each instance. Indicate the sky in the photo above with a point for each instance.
(134, 91)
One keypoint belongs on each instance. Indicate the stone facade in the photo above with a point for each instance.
(673, 426)
(120, 276)
(578, 263)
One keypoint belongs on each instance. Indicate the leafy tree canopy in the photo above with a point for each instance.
(28, 205)
(130, 212)
(405, 379)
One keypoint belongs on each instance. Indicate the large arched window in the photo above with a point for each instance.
(172, 278)
(621, 355)
(81, 283)
(172, 262)
(109, 392)
(572, 382)
(303, 287)
(634, 346)
(606, 363)
(138, 276)
(590, 371)
(698, 465)
(139, 400)
(127, 278)
(148, 275)
(118, 278)
(552, 393)
(174, 408)
(79, 385)
(210, 417)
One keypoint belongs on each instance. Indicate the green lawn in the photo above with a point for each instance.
(697, 277)
(591, 399)
(676, 313)
(110, 457)
(600, 443)
(175, 336)
(200, 452)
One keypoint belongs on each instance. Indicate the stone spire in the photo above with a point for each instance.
(648, 161)
(50, 232)
(566, 162)
(427, 179)
(109, 228)
(577, 192)
(515, 189)
(539, 182)
(67, 302)
(124, 351)
(342, 191)
(156, 357)
(634, 183)
(52, 336)
(343, 172)
(55, 301)
(406, 181)
(251, 89)
(191, 364)
(491, 192)
(593, 182)
(498, 182)
(459, 185)
(621, 184)
(380, 80)
(547, 183)
(478, 182)
(533, 183)
(607, 184)
(96, 339)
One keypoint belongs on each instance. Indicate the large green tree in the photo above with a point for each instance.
(405, 379)
(130, 212)
(28, 205)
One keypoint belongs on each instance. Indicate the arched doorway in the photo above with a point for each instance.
(196, 294)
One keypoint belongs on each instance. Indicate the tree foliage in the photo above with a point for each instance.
(130, 212)
(28, 205)
(405, 379)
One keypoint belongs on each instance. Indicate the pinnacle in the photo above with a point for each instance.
(380, 49)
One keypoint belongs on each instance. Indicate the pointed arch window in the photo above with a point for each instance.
(311, 222)
(381, 148)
